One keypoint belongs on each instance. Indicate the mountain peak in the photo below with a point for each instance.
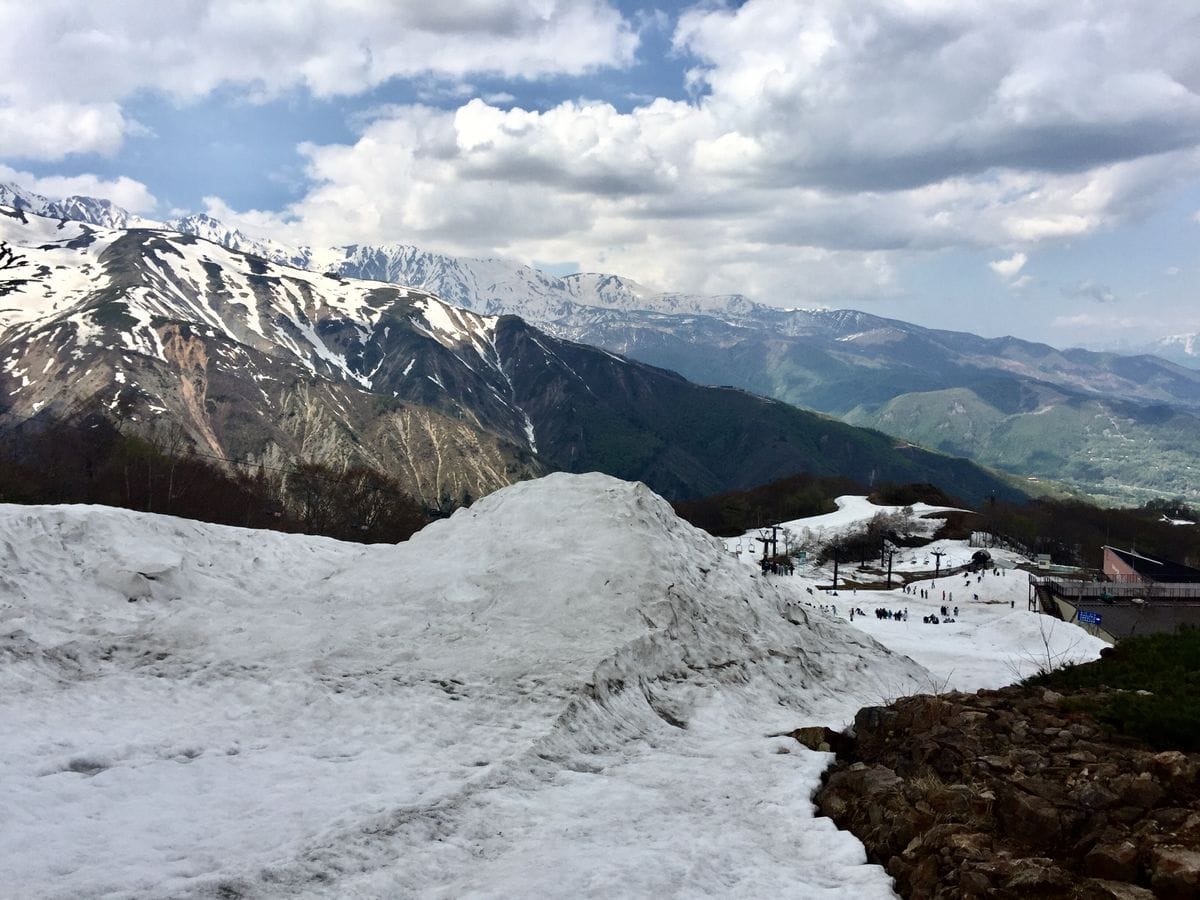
(92, 210)
(490, 285)
(263, 363)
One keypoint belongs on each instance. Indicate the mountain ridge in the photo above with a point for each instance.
(847, 363)
(263, 362)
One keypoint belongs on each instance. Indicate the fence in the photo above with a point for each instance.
(1117, 590)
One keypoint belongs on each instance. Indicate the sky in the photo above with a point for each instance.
(1026, 167)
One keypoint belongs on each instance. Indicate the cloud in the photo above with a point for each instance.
(1092, 322)
(435, 92)
(665, 193)
(882, 96)
(63, 62)
(1007, 268)
(582, 182)
(817, 133)
(825, 144)
(1087, 289)
(50, 131)
(124, 192)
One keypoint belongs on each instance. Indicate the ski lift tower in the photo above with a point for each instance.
(772, 541)
(937, 566)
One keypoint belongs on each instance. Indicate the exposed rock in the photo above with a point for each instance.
(1113, 890)
(1116, 862)
(1175, 872)
(818, 737)
(1014, 794)
(1019, 812)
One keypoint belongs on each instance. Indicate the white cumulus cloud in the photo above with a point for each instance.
(1007, 268)
(824, 144)
(50, 131)
(66, 67)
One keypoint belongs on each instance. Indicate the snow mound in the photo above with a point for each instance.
(563, 690)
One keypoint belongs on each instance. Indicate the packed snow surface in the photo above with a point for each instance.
(562, 691)
(986, 638)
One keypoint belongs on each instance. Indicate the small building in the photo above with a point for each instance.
(1133, 594)
(1128, 567)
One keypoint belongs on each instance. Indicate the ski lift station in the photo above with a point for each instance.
(1133, 594)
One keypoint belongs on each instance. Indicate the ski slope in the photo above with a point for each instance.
(563, 691)
(994, 639)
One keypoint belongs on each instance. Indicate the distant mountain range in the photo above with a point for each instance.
(258, 362)
(1119, 427)
(1178, 348)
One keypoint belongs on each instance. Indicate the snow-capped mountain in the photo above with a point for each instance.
(490, 286)
(255, 362)
(1125, 426)
(568, 305)
(699, 335)
(93, 210)
(266, 363)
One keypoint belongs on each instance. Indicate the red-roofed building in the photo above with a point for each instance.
(1128, 566)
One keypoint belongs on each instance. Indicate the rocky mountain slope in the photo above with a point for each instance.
(258, 362)
(1118, 427)
(1015, 793)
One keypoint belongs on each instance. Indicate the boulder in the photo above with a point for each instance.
(1097, 889)
(1114, 862)
(1175, 872)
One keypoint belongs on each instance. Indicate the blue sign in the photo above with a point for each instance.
(1090, 618)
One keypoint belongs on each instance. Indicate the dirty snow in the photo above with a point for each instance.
(563, 691)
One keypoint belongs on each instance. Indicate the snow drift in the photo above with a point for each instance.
(563, 690)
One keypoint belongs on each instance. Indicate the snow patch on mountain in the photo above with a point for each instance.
(487, 285)
(59, 271)
(454, 327)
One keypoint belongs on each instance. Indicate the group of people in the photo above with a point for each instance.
(947, 613)
(901, 615)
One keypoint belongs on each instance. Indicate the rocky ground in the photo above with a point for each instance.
(1013, 793)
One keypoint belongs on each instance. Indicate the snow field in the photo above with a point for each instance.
(562, 691)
